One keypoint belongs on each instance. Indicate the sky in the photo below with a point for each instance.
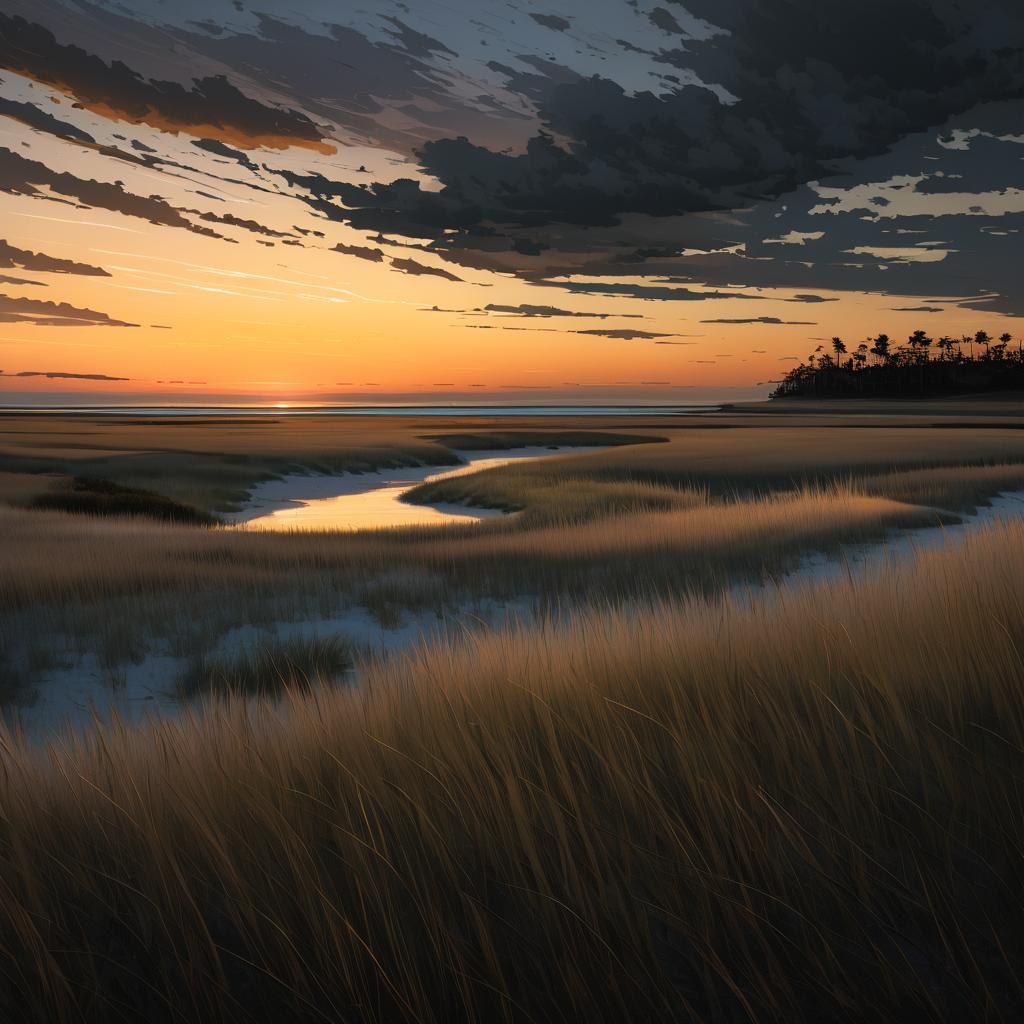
(495, 200)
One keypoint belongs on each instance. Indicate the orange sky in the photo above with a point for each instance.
(247, 314)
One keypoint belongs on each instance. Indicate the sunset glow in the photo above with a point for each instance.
(266, 237)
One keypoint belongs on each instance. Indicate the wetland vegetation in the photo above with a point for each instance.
(729, 801)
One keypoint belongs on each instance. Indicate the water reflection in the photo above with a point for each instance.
(365, 501)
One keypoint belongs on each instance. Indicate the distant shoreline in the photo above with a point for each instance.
(631, 409)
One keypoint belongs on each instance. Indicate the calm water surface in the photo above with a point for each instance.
(368, 501)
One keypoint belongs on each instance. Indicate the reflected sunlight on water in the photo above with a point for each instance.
(369, 501)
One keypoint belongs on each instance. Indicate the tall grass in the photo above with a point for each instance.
(213, 463)
(910, 465)
(804, 807)
(269, 669)
(102, 498)
(56, 559)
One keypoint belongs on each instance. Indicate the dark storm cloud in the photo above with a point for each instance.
(21, 176)
(212, 106)
(551, 21)
(218, 148)
(31, 115)
(24, 259)
(44, 313)
(800, 88)
(663, 19)
(838, 238)
(668, 195)
(416, 43)
(340, 76)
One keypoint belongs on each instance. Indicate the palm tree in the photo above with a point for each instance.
(839, 347)
(983, 338)
(945, 346)
(880, 349)
(919, 343)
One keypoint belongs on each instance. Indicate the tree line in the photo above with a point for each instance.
(920, 367)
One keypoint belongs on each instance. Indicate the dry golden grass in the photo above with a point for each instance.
(22, 488)
(54, 558)
(743, 460)
(707, 508)
(802, 808)
(212, 463)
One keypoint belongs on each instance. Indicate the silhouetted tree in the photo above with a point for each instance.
(910, 368)
(839, 347)
(880, 349)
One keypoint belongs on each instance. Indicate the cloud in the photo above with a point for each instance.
(623, 334)
(640, 290)
(383, 93)
(763, 320)
(212, 107)
(551, 21)
(25, 259)
(63, 375)
(661, 18)
(30, 115)
(241, 222)
(21, 176)
(422, 270)
(918, 309)
(362, 252)
(528, 310)
(416, 43)
(219, 148)
(43, 313)
(789, 97)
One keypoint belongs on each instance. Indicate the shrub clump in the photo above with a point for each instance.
(297, 664)
(105, 498)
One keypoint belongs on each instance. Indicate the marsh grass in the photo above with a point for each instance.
(960, 488)
(613, 525)
(544, 497)
(214, 464)
(269, 669)
(801, 807)
(740, 464)
(105, 498)
(693, 544)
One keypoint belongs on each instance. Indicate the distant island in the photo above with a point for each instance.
(923, 367)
